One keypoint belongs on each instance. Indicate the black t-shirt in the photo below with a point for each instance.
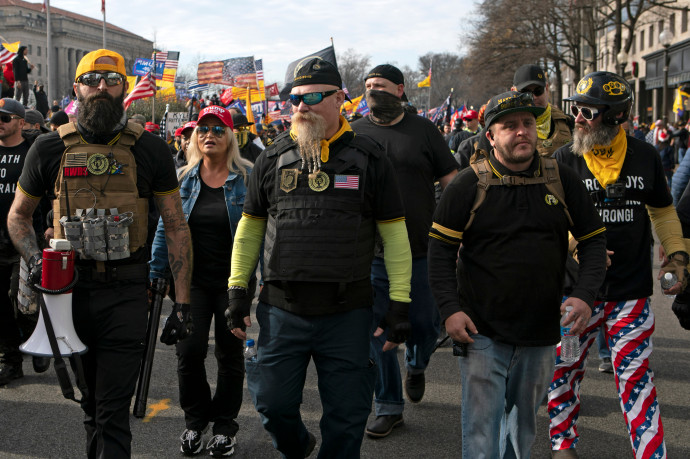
(11, 163)
(628, 228)
(420, 157)
(155, 170)
(382, 202)
(211, 238)
(511, 266)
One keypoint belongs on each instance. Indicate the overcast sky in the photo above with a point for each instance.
(390, 31)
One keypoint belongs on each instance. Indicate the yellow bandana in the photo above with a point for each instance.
(606, 161)
(325, 144)
(544, 123)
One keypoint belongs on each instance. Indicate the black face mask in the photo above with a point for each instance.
(384, 106)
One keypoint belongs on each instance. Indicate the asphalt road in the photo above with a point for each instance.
(36, 422)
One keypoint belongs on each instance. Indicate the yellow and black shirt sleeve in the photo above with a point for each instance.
(445, 238)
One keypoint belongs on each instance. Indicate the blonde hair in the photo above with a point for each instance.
(235, 162)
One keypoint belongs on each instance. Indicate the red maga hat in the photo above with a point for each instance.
(219, 112)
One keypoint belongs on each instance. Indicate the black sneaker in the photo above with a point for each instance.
(191, 442)
(221, 446)
(10, 372)
(40, 364)
(414, 387)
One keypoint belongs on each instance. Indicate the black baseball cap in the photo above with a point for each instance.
(528, 75)
(317, 71)
(390, 73)
(510, 102)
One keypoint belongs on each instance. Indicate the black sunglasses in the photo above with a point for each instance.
(218, 131)
(93, 79)
(538, 91)
(9, 118)
(311, 98)
(587, 113)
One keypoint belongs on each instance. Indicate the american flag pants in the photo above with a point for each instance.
(629, 326)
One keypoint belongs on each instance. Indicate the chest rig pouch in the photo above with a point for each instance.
(320, 232)
(97, 206)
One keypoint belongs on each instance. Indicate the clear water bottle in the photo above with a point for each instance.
(250, 351)
(668, 281)
(570, 344)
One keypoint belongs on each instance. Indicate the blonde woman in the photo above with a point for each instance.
(212, 187)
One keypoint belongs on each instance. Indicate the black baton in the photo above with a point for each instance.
(158, 287)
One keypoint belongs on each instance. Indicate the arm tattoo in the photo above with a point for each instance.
(179, 241)
(20, 225)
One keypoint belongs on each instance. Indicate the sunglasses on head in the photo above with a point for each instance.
(218, 131)
(9, 118)
(93, 79)
(587, 113)
(538, 91)
(311, 98)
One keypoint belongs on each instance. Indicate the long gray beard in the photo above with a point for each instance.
(310, 129)
(585, 140)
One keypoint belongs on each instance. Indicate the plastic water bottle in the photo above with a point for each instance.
(668, 281)
(570, 344)
(250, 351)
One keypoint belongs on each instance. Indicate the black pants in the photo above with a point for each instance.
(15, 328)
(110, 318)
(199, 406)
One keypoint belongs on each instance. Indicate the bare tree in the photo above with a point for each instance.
(353, 67)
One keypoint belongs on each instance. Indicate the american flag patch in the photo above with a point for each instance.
(350, 182)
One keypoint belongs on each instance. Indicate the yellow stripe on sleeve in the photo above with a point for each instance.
(27, 194)
(447, 231)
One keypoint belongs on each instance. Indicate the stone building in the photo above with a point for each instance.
(73, 36)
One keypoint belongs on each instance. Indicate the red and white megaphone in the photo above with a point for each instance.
(58, 273)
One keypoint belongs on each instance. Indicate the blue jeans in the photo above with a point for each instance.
(502, 388)
(602, 344)
(425, 320)
(339, 345)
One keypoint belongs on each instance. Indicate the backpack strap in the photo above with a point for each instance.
(480, 166)
(553, 183)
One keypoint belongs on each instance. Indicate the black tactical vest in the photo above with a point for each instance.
(319, 232)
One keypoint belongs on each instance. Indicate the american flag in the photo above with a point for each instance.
(238, 71)
(171, 58)
(194, 85)
(145, 88)
(259, 64)
(6, 56)
(350, 182)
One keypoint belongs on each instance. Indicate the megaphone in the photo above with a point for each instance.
(58, 273)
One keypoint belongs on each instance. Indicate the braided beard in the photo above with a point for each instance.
(585, 137)
(310, 129)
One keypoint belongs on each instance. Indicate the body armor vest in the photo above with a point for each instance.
(319, 232)
(97, 206)
(561, 134)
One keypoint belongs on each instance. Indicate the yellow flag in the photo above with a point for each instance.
(11, 47)
(679, 102)
(250, 113)
(425, 83)
(350, 106)
(132, 80)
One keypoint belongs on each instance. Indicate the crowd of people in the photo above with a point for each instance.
(335, 231)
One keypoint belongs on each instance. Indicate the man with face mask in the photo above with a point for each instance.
(420, 157)
(103, 163)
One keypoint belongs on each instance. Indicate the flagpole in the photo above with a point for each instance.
(428, 101)
(103, 10)
(153, 74)
(49, 52)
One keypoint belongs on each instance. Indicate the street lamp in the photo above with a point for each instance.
(622, 58)
(665, 38)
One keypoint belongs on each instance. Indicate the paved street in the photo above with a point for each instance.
(37, 422)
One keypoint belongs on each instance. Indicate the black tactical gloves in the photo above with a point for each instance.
(396, 321)
(178, 325)
(239, 307)
(35, 265)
